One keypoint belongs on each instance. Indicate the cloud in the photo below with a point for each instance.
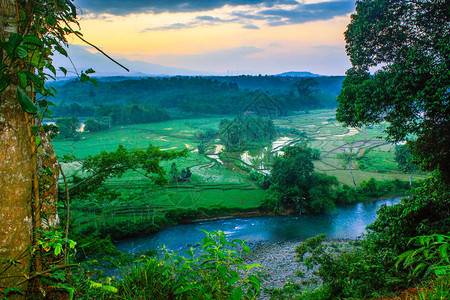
(174, 26)
(219, 60)
(215, 19)
(125, 7)
(244, 12)
(278, 15)
(198, 21)
(309, 12)
(250, 26)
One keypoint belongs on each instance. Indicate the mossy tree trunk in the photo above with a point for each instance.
(16, 171)
(27, 196)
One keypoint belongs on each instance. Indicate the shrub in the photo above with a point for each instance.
(371, 270)
(214, 271)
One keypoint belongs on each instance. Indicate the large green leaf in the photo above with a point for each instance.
(4, 81)
(33, 40)
(25, 101)
(13, 42)
(21, 52)
(22, 79)
(237, 295)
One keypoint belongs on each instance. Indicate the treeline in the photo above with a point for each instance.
(293, 184)
(196, 95)
(132, 114)
(243, 131)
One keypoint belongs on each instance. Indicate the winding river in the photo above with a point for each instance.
(347, 222)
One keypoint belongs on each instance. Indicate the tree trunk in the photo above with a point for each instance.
(410, 179)
(48, 183)
(16, 171)
(20, 182)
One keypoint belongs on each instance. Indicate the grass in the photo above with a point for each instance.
(213, 183)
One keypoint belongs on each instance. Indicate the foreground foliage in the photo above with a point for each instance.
(96, 169)
(215, 270)
(30, 33)
(407, 244)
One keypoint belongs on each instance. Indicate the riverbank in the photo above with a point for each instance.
(279, 265)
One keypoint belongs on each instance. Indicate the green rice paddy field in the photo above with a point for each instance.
(223, 182)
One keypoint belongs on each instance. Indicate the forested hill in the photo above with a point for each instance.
(219, 95)
(326, 84)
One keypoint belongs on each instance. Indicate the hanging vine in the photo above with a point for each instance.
(31, 32)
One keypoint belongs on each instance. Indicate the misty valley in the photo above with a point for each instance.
(166, 151)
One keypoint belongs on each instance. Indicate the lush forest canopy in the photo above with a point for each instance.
(409, 42)
(196, 96)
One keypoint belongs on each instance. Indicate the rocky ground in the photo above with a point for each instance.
(279, 266)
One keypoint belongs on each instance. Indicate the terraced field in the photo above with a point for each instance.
(219, 179)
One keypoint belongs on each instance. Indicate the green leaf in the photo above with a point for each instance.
(84, 77)
(254, 281)
(110, 288)
(89, 71)
(34, 129)
(71, 291)
(38, 81)
(37, 60)
(52, 69)
(23, 15)
(22, 79)
(443, 252)
(419, 268)
(4, 81)
(13, 290)
(442, 270)
(13, 42)
(95, 284)
(73, 9)
(61, 50)
(51, 20)
(64, 70)
(58, 248)
(25, 101)
(237, 294)
(38, 142)
(21, 52)
(33, 40)
(233, 280)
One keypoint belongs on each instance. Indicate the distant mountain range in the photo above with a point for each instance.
(105, 68)
(299, 74)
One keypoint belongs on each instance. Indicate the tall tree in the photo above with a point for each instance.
(29, 32)
(296, 186)
(409, 42)
(306, 87)
(16, 166)
(403, 158)
(348, 159)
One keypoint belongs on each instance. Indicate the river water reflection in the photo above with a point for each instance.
(347, 222)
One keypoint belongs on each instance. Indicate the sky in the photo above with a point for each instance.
(222, 37)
